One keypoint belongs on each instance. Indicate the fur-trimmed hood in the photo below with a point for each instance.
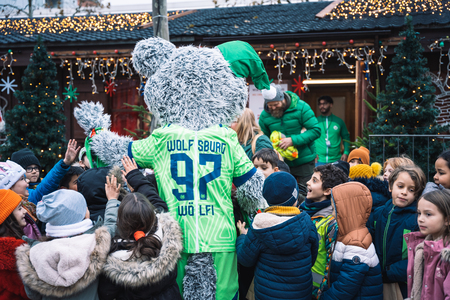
(138, 272)
(63, 267)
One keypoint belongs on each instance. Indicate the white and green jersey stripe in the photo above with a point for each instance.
(194, 171)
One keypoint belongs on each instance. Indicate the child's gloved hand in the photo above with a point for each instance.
(111, 188)
(241, 227)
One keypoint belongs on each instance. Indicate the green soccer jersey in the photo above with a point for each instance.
(194, 171)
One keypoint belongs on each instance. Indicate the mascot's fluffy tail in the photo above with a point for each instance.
(200, 279)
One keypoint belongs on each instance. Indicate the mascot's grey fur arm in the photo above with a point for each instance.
(107, 145)
(249, 195)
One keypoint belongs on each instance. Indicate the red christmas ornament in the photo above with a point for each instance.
(297, 45)
(404, 38)
(52, 53)
(74, 53)
(272, 46)
(110, 88)
(95, 52)
(351, 42)
(31, 54)
(324, 43)
(298, 85)
(116, 51)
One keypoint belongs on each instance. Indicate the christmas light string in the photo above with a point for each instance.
(439, 44)
(380, 59)
(4, 58)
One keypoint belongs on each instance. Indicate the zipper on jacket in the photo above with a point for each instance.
(386, 229)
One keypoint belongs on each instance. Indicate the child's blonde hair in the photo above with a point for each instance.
(396, 162)
(246, 127)
(416, 174)
(441, 198)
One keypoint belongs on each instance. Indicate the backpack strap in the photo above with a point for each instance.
(255, 138)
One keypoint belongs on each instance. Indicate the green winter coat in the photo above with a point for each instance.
(262, 142)
(337, 131)
(298, 115)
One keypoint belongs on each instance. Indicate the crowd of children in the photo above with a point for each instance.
(104, 233)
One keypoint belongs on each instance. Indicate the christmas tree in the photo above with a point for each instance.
(36, 122)
(407, 107)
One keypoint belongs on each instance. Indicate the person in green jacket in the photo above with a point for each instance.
(287, 113)
(332, 132)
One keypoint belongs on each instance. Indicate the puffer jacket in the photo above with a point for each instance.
(378, 188)
(283, 248)
(50, 183)
(66, 268)
(355, 270)
(435, 281)
(388, 224)
(152, 279)
(11, 286)
(298, 115)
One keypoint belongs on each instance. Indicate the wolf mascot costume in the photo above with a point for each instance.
(192, 92)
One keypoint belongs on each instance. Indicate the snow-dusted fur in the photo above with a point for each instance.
(97, 259)
(149, 56)
(138, 272)
(110, 147)
(199, 282)
(90, 115)
(249, 195)
(195, 88)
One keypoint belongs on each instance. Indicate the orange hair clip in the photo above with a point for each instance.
(138, 235)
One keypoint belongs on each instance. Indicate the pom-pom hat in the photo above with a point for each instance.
(280, 189)
(8, 203)
(274, 94)
(365, 171)
(10, 173)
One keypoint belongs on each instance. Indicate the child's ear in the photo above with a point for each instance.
(327, 192)
(276, 169)
(447, 222)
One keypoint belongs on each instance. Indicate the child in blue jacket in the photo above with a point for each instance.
(354, 272)
(390, 222)
(281, 242)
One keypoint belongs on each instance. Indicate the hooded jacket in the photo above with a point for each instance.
(283, 248)
(11, 286)
(379, 190)
(355, 270)
(435, 279)
(91, 184)
(388, 224)
(262, 142)
(298, 115)
(142, 278)
(65, 268)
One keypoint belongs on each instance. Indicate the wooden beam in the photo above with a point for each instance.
(170, 18)
(327, 9)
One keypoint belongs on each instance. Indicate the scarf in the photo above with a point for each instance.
(68, 230)
(283, 210)
(311, 207)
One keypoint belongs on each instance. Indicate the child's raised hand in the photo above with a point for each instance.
(128, 164)
(241, 227)
(71, 153)
(111, 188)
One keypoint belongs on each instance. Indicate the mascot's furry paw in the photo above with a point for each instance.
(249, 195)
(200, 279)
(110, 147)
(90, 115)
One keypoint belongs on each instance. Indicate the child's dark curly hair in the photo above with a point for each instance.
(331, 176)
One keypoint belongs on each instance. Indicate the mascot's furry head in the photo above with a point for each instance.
(196, 87)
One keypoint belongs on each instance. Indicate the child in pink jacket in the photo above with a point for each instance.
(429, 250)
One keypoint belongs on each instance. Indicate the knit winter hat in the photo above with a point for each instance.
(343, 165)
(280, 189)
(62, 207)
(25, 157)
(365, 171)
(10, 173)
(362, 153)
(274, 94)
(8, 203)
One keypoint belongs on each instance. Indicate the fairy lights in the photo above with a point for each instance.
(60, 25)
(376, 8)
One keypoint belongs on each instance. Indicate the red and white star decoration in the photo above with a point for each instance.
(110, 88)
(298, 85)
